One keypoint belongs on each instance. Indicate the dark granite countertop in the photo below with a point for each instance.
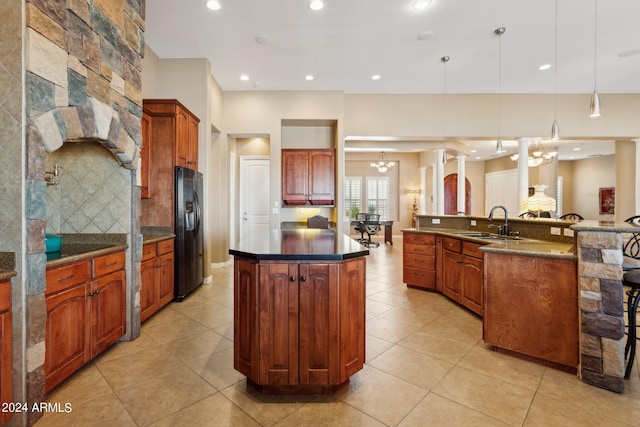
(7, 265)
(76, 247)
(153, 238)
(300, 245)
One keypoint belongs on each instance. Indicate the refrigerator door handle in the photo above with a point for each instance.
(197, 210)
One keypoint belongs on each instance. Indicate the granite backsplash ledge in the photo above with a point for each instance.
(7, 261)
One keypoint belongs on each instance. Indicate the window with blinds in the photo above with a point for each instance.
(378, 196)
(352, 196)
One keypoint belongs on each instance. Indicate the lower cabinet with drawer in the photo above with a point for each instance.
(6, 346)
(156, 270)
(419, 260)
(86, 304)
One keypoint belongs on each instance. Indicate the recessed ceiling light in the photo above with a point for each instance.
(213, 4)
(244, 77)
(262, 39)
(577, 149)
(375, 77)
(425, 35)
(316, 5)
(474, 151)
(309, 77)
(544, 67)
(478, 157)
(627, 53)
(421, 4)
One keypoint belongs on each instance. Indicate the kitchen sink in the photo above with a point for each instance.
(488, 236)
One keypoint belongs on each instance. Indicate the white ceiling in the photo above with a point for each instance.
(348, 41)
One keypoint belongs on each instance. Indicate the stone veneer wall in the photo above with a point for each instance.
(12, 160)
(601, 309)
(82, 83)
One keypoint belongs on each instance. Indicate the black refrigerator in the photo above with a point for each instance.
(189, 268)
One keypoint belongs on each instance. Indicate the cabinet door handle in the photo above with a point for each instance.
(62, 279)
(303, 278)
(96, 292)
(90, 294)
(111, 263)
(293, 278)
(158, 265)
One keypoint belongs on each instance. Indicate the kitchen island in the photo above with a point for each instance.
(299, 310)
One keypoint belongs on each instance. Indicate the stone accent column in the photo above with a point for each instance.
(601, 309)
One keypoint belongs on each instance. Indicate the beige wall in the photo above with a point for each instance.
(588, 176)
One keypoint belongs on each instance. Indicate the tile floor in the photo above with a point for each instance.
(426, 366)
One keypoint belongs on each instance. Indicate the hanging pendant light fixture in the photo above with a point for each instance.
(594, 107)
(555, 129)
(444, 60)
(382, 165)
(499, 32)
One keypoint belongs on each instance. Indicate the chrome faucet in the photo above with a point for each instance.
(503, 230)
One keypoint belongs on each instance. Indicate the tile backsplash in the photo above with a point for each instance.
(93, 194)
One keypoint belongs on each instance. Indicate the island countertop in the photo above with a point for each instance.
(300, 245)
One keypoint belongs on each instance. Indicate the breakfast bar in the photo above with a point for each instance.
(299, 310)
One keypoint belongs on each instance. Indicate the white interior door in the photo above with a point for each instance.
(254, 196)
(501, 188)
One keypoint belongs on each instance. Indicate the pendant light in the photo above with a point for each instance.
(444, 60)
(595, 99)
(499, 32)
(555, 129)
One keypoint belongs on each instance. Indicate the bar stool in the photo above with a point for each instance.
(632, 280)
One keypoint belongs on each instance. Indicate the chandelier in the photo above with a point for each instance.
(382, 165)
(538, 155)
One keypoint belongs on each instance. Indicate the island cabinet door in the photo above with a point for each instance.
(278, 324)
(245, 318)
(319, 324)
(452, 274)
(352, 316)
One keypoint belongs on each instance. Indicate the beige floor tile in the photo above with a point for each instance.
(265, 409)
(87, 384)
(334, 414)
(128, 348)
(215, 410)
(225, 330)
(572, 394)
(216, 369)
(160, 396)
(180, 328)
(375, 346)
(102, 411)
(166, 315)
(510, 369)
(389, 330)
(411, 366)
(211, 315)
(436, 411)
(141, 367)
(197, 346)
(410, 315)
(382, 396)
(487, 395)
(388, 298)
(375, 308)
(193, 302)
(437, 345)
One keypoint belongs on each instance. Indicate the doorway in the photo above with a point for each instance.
(451, 195)
(254, 196)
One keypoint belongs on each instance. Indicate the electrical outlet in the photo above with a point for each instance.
(568, 232)
(473, 222)
(435, 220)
(556, 231)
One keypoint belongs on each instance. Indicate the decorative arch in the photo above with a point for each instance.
(117, 131)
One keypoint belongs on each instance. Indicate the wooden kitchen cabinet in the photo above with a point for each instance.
(145, 156)
(85, 313)
(419, 260)
(531, 307)
(156, 270)
(6, 348)
(308, 177)
(174, 142)
(463, 270)
(299, 327)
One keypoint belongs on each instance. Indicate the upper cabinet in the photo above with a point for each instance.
(177, 127)
(308, 177)
(171, 140)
